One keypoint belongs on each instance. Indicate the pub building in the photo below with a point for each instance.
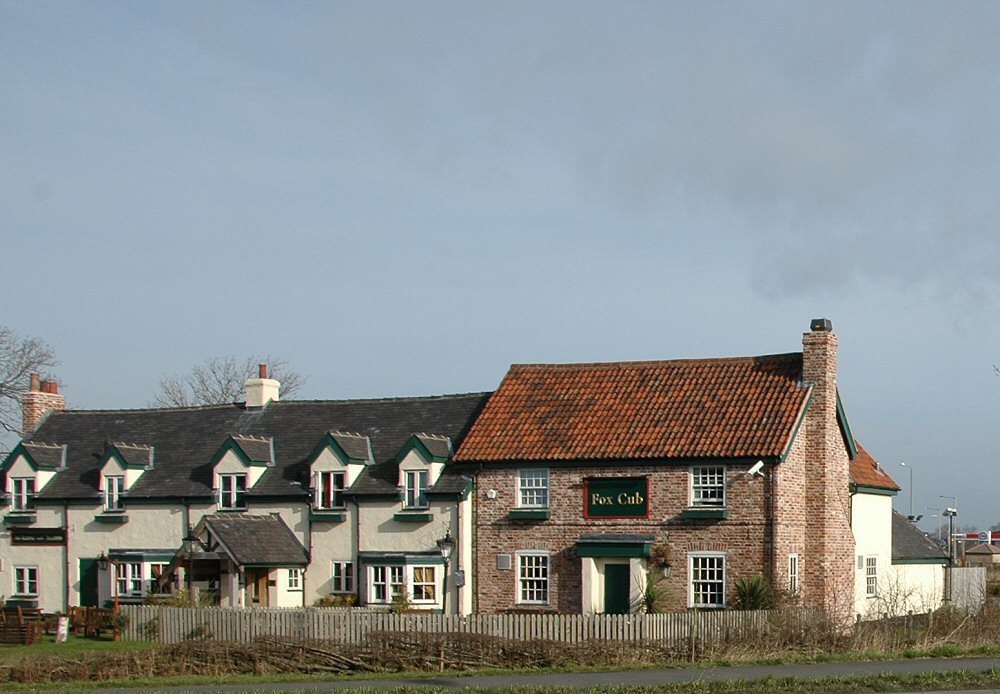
(595, 480)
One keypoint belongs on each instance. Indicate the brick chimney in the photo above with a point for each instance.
(263, 389)
(827, 476)
(42, 397)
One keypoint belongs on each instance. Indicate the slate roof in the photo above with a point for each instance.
(867, 473)
(257, 448)
(134, 455)
(438, 446)
(719, 408)
(910, 544)
(45, 455)
(356, 446)
(256, 540)
(186, 439)
(983, 549)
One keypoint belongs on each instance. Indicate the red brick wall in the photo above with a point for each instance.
(830, 571)
(740, 535)
(35, 404)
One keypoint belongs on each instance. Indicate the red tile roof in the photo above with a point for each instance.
(727, 408)
(866, 472)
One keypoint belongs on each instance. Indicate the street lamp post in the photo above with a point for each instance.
(938, 516)
(446, 545)
(951, 512)
(910, 468)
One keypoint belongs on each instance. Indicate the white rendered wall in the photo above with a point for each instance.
(871, 522)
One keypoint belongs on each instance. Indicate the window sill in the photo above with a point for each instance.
(232, 510)
(705, 514)
(113, 517)
(325, 516)
(20, 518)
(413, 517)
(529, 514)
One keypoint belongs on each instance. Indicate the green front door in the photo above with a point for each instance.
(88, 582)
(616, 588)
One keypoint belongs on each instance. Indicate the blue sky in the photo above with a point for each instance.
(405, 198)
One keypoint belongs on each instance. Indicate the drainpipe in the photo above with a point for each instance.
(67, 556)
(357, 548)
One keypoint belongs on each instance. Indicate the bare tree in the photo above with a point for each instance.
(220, 380)
(19, 358)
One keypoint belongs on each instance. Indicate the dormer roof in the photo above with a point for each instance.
(434, 448)
(252, 450)
(41, 456)
(351, 448)
(130, 455)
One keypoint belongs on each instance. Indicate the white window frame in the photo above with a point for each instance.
(534, 578)
(415, 488)
(128, 578)
(26, 581)
(330, 490)
(295, 580)
(22, 494)
(871, 576)
(342, 576)
(703, 587)
(793, 573)
(425, 590)
(114, 488)
(390, 579)
(533, 488)
(708, 486)
(232, 498)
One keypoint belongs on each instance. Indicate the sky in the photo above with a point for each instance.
(404, 198)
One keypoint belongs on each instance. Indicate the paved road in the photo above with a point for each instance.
(630, 677)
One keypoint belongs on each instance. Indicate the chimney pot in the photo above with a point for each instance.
(821, 325)
(36, 382)
(262, 371)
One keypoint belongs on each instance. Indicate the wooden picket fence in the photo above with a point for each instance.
(176, 624)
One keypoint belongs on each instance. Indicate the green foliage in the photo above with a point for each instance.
(337, 601)
(754, 593)
(151, 629)
(202, 631)
(401, 602)
(654, 597)
(121, 621)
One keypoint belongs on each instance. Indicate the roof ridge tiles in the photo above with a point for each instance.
(649, 363)
(279, 403)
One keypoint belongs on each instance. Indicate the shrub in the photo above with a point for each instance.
(336, 601)
(754, 593)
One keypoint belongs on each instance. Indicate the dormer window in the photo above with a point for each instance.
(114, 488)
(232, 492)
(329, 492)
(22, 494)
(416, 489)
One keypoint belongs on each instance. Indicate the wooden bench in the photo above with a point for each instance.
(21, 625)
(91, 621)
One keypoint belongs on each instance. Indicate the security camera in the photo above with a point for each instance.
(757, 469)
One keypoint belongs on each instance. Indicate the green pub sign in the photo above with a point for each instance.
(616, 497)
